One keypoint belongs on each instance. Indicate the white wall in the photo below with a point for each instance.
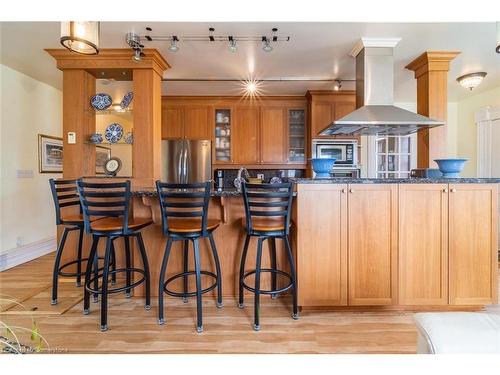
(28, 107)
(467, 129)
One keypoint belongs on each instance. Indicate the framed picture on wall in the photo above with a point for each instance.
(102, 155)
(50, 154)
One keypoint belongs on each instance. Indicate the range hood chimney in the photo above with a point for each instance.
(375, 113)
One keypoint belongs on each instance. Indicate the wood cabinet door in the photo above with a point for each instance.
(423, 244)
(473, 240)
(372, 244)
(322, 244)
(196, 123)
(246, 136)
(343, 109)
(322, 115)
(172, 123)
(273, 135)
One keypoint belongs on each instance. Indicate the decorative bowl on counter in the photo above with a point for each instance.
(322, 167)
(450, 167)
(96, 138)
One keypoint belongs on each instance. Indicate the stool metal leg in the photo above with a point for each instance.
(256, 306)
(57, 262)
(128, 264)
(199, 324)
(96, 272)
(186, 264)
(272, 250)
(217, 268)
(104, 289)
(161, 281)
(145, 263)
(294, 277)
(113, 263)
(88, 272)
(79, 259)
(242, 270)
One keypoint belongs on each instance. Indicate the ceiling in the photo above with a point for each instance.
(316, 50)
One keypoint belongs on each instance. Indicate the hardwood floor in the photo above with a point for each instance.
(228, 330)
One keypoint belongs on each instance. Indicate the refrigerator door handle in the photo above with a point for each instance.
(185, 163)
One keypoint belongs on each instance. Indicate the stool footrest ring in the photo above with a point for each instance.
(74, 274)
(189, 294)
(120, 289)
(263, 291)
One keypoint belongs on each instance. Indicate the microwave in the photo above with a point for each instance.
(344, 151)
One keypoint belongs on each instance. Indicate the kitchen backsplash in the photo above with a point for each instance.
(284, 174)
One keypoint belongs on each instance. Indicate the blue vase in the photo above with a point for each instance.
(322, 167)
(450, 168)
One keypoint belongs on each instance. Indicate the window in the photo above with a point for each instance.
(394, 156)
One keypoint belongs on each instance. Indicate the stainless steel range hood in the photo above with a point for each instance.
(375, 113)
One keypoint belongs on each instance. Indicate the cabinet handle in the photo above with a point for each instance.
(343, 190)
(445, 190)
(453, 190)
(351, 191)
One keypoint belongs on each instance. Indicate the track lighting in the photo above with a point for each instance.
(173, 44)
(267, 45)
(337, 85)
(137, 55)
(232, 45)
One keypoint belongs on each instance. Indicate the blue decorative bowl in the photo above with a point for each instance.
(96, 138)
(450, 167)
(322, 167)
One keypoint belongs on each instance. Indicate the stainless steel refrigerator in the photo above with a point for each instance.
(186, 161)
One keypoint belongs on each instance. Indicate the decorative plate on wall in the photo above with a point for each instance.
(126, 100)
(101, 101)
(114, 132)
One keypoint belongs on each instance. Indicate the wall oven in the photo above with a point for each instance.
(344, 150)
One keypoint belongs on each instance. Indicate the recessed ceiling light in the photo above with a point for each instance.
(471, 80)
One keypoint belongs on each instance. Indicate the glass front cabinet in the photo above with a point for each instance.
(222, 143)
(296, 135)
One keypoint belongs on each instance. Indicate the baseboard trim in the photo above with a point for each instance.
(23, 254)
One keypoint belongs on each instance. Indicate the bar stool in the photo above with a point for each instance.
(184, 210)
(110, 203)
(65, 194)
(267, 217)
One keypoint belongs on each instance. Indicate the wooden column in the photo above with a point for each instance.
(78, 117)
(146, 150)
(431, 71)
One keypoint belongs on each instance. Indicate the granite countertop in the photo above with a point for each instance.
(151, 192)
(441, 180)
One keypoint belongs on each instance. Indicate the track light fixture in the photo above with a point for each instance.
(173, 44)
(267, 45)
(267, 41)
(134, 41)
(232, 44)
(337, 85)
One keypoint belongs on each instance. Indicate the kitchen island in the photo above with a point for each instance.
(422, 244)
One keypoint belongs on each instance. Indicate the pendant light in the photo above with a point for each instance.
(81, 36)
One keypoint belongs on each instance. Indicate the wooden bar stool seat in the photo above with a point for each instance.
(114, 224)
(184, 214)
(265, 224)
(190, 225)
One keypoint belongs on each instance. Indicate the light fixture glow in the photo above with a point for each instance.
(173, 45)
(471, 80)
(232, 46)
(251, 88)
(81, 36)
(337, 85)
(267, 46)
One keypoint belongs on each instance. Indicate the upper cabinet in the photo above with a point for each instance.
(184, 121)
(297, 135)
(326, 107)
(223, 135)
(273, 135)
(246, 136)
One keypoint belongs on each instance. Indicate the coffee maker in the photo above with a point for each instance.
(219, 179)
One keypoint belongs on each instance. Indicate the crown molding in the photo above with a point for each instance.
(373, 42)
(432, 61)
